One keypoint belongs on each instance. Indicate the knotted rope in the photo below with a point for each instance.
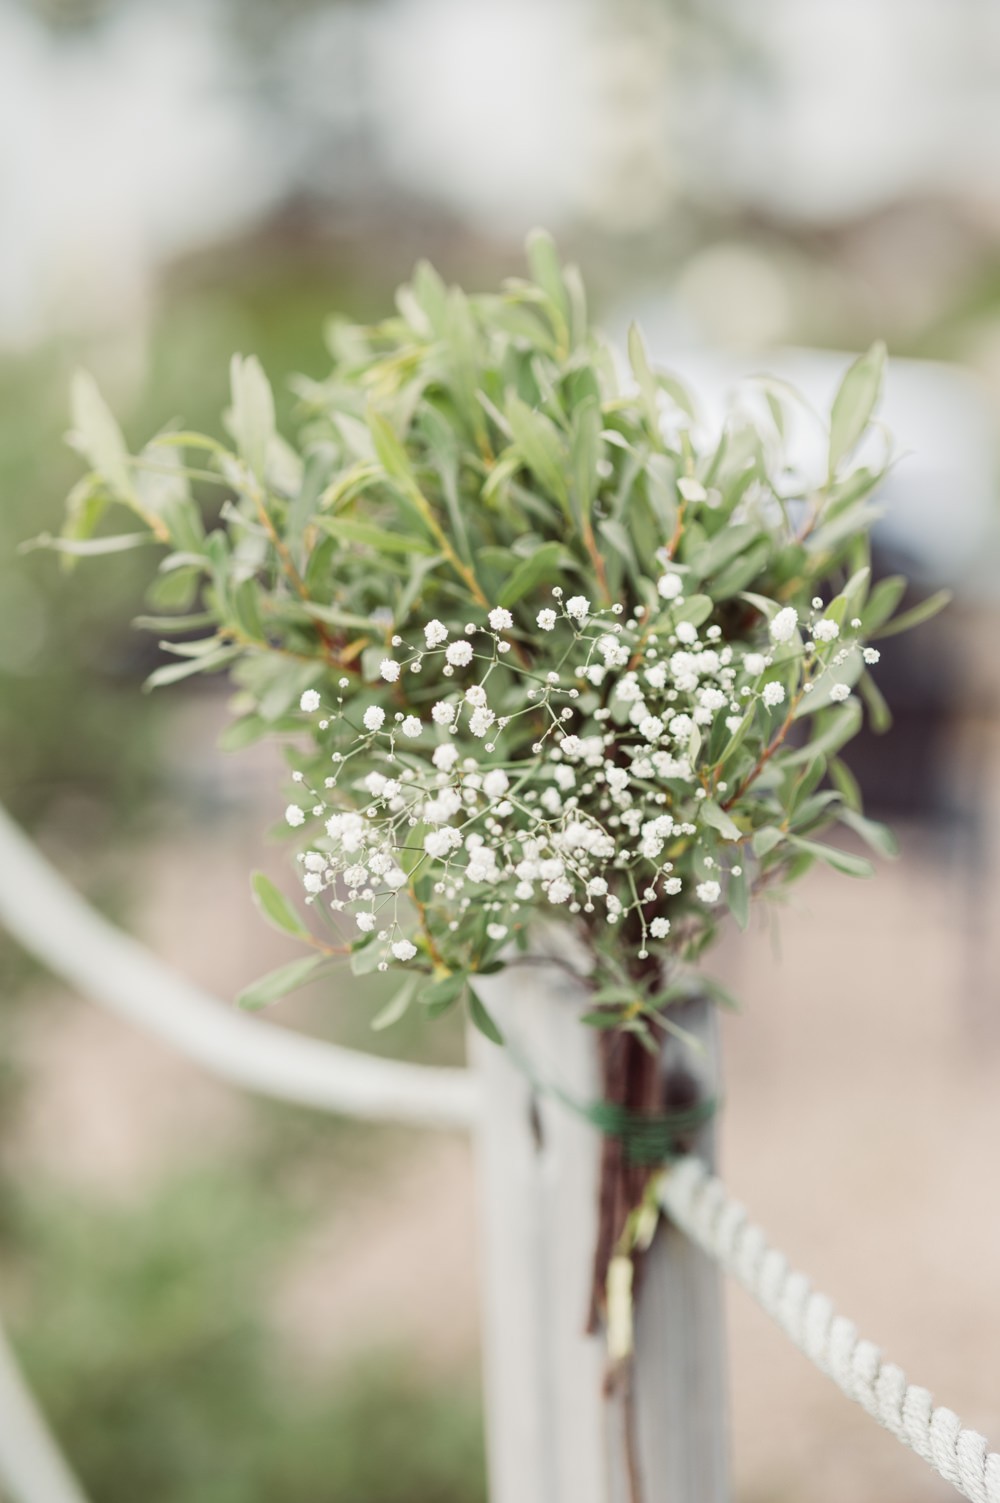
(700, 1206)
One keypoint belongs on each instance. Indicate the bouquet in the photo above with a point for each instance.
(541, 644)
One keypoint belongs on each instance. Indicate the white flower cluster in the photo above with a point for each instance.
(617, 789)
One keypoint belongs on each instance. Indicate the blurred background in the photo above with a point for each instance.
(221, 1301)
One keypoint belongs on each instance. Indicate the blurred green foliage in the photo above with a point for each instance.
(71, 721)
(145, 1331)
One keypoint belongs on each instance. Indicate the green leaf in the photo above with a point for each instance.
(742, 571)
(879, 714)
(544, 564)
(847, 673)
(678, 394)
(389, 450)
(252, 413)
(915, 617)
(540, 447)
(191, 622)
(854, 403)
(719, 820)
(431, 294)
(586, 450)
(543, 261)
(98, 435)
(334, 616)
(366, 955)
(723, 548)
(350, 531)
(243, 732)
(617, 535)
(482, 1019)
(696, 609)
(623, 994)
(397, 1004)
(442, 993)
(87, 547)
(603, 1018)
(841, 861)
(276, 908)
(875, 834)
(843, 723)
(279, 983)
(738, 737)
(172, 673)
(765, 840)
(846, 784)
(645, 379)
(882, 601)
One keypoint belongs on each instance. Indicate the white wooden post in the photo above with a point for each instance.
(553, 1435)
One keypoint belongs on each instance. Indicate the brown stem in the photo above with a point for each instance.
(675, 541)
(596, 558)
(767, 753)
(630, 1428)
(630, 1079)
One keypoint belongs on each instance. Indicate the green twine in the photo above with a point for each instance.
(655, 1139)
(646, 1140)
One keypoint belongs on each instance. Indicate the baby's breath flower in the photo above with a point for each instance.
(481, 720)
(389, 669)
(670, 585)
(826, 630)
(411, 726)
(404, 949)
(784, 625)
(435, 633)
(871, 655)
(374, 718)
(709, 892)
(309, 701)
(500, 619)
(459, 654)
(294, 815)
(840, 692)
(578, 606)
(773, 694)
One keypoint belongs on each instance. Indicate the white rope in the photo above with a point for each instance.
(32, 1469)
(69, 937)
(701, 1206)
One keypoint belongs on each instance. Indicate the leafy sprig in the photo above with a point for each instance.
(477, 454)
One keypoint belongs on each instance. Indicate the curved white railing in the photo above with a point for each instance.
(43, 912)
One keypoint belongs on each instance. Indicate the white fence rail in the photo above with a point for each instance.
(69, 937)
(32, 1468)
